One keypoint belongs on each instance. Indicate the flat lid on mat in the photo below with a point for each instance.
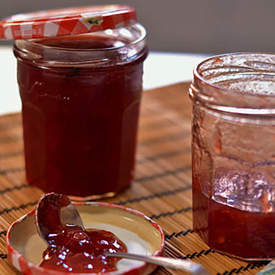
(66, 21)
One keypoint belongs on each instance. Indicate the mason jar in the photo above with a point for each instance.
(233, 154)
(80, 106)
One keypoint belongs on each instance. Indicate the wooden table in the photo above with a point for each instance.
(162, 188)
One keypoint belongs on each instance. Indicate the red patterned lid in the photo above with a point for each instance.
(67, 21)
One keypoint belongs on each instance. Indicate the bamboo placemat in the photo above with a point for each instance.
(162, 188)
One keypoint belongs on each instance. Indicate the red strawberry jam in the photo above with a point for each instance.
(77, 250)
(80, 117)
(237, 232)
(71, 247)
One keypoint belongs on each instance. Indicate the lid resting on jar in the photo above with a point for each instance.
(66, 21)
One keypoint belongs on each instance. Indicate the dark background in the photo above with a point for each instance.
(199, 26)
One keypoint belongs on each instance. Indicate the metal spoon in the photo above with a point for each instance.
(48, 221)
(185, 265)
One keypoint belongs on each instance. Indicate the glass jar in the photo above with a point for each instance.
(80, 106)
(233, 154)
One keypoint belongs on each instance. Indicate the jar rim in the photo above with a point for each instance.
(53, 56)
(245, 99)
(203, 79)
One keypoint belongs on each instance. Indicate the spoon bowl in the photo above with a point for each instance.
(53, 211)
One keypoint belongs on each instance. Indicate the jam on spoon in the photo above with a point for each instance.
(71, 248)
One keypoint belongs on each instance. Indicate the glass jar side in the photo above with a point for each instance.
(233, 164)
(80, 113)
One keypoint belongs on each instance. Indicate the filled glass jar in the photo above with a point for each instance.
(80, 107)
(233, 154)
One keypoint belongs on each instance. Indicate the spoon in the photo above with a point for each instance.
(55, 210)
(185, 265)
(52, 212)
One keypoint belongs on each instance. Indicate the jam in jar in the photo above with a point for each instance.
(233, 154)
(80, 106)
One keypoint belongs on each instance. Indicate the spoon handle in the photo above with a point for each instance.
(185, 265)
